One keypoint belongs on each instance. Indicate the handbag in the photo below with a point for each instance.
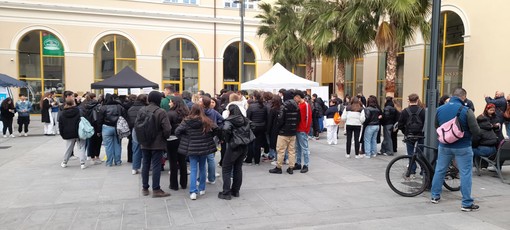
(242, 136)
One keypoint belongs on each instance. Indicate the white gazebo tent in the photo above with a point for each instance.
(276, 78)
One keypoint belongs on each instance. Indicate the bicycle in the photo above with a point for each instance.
(401, 171)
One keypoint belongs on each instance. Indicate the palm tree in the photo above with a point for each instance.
(397, 22)
(340, 33)
(284, 26)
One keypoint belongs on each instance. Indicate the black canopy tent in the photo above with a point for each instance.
(6, 81)
(126, 78)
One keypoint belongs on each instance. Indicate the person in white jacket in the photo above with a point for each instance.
(353, 116)
(234, 99)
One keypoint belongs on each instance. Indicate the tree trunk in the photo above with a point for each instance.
(309, 68)
(391, 71)
(340, 78)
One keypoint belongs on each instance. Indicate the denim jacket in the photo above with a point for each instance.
(23, 108)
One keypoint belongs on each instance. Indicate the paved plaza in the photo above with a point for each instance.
(337, 193)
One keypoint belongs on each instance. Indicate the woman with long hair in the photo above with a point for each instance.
(354, 116)
(45, 105)
(108, 116)
(178, 111)
(373, 116)
(390, 117)
(90, 107)
(272, 129)
(257, 113)
(196, 133)
(7, 111)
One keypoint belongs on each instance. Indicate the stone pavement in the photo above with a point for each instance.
(337, 193)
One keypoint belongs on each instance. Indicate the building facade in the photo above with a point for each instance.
(194, 44)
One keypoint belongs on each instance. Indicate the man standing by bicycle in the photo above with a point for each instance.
(460, 149)
(411, 123)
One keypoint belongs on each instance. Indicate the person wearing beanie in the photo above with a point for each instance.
(287, 123)
(153, 152)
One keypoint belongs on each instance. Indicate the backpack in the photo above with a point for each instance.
(242, 136)
(122, 128)
(451, 131)
(414, 124)
(85, 130)
(145, 126)
(337, 118)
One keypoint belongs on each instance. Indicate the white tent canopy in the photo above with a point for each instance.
(276, 78)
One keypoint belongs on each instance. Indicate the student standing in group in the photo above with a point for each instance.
(107, 121)
(90, 108)
(7, 112)
(411, 122)
(178, 111)
(55, 109)
(217, 119)
(331, 126)
(69, 121)
(153, 151)
(373, 117)
(272, 129)
(140, 102)
(45, 105)
(257, 113)
(23, 107)
(303, 129)
(197, 133)
(238, 125)
(354, 117)
(390, 117)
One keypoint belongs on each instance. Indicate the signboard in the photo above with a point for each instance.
(51, 45)
(147, 90)
(322, 92)
(135, 91)
(122, 92)
(109, 90)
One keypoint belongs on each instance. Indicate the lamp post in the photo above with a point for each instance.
(432, 92)
(241, 42)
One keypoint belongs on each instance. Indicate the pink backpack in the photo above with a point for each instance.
(451, 131)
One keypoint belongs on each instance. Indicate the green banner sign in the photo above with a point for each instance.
(52, 46)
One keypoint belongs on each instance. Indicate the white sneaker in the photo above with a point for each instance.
(88, 158)
(97, 161)
(26, 134)
(347, 156)
(193, 196)
(217, 175)
(5, 136)
(202, 193)
(358, 157)
(83, 166)
(361, 156)
(286, 162)
(189, 172)
(492, 169)
(134, 171)
(209, 182)
(63, 165)
(20, 134)
(273, 163)
(12, 135)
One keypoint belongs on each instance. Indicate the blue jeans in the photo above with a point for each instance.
(137, 152)
(194, 162)
(464, 160)
(302, 148)
(112, 145)
(211, 168)
(321, 124)
(484, 151)
(370, 140)
(151, 158)
(410, 151)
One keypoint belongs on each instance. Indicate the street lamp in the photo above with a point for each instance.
(241, 42)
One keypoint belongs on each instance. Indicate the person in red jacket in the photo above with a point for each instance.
(303, 128)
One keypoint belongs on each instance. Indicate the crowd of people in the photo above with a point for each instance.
(252, 128)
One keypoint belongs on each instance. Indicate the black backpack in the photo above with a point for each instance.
(145, 126)
(414, 124)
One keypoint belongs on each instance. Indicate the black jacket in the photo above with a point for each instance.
(110, 113)
(390, 115)
(402, 121)
(330, 112)
(133, 112)
(163, 128)
(194, 142)
(258, 116)
(231, 123)
(89, 110)
(288, 119)
(45, 113)
(68, 123)
(372, 116)
(174, 119)
(272, 129)
(487, 135)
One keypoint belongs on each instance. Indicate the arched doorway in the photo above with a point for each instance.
(41, 64)
(181, 65)
(111, 54)
(231, 56)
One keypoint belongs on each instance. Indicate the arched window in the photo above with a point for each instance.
(231, 69)
(450, 54)
(41, 63)
(354, 77)
(111, 54)
(181, 65)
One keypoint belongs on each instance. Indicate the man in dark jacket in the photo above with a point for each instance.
(412, 127)
(460, 149)
(140, 102)
(287, 123)
(153, 152)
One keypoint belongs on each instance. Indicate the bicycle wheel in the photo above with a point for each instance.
(405, 181)
(452, 179)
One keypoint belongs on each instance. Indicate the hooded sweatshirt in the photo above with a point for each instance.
(68, 123)
(239, 104)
